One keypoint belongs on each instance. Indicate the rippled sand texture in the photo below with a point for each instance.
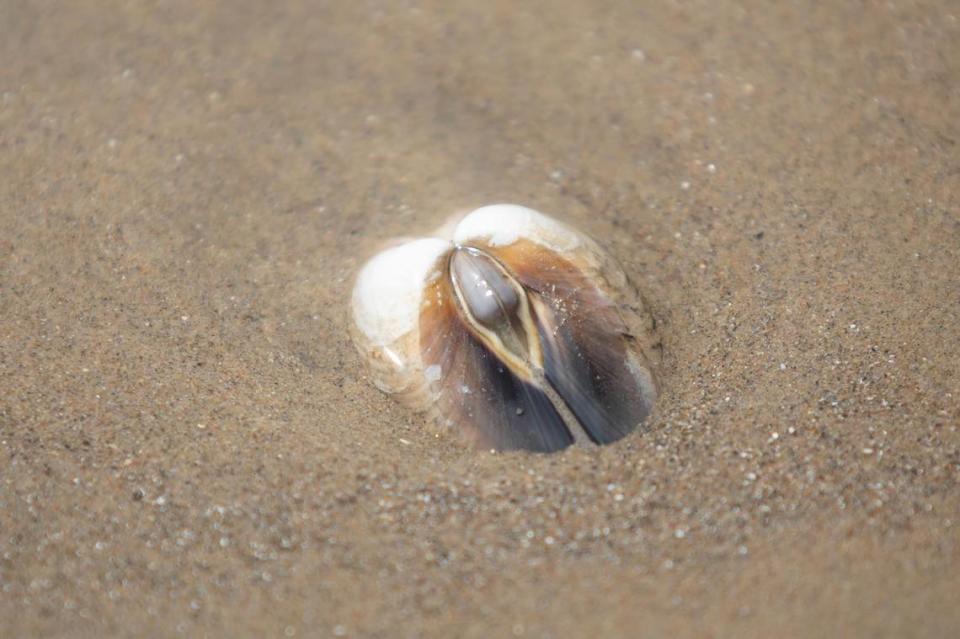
(188, 443)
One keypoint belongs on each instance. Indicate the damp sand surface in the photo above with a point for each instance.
(189, 445)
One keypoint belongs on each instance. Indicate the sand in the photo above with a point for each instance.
(189, 445)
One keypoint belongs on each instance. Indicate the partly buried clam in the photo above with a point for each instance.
(511, 328)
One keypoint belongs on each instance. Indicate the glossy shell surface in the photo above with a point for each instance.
(511, 329)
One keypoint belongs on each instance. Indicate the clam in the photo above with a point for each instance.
(511, 328)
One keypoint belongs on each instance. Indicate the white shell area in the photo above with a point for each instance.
(504, 224)
(389, 289)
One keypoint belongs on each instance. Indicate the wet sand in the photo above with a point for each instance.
(189, 445)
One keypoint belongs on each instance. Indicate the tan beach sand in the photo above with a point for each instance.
(188, 442)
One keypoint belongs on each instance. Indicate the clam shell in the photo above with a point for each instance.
(510, 328)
